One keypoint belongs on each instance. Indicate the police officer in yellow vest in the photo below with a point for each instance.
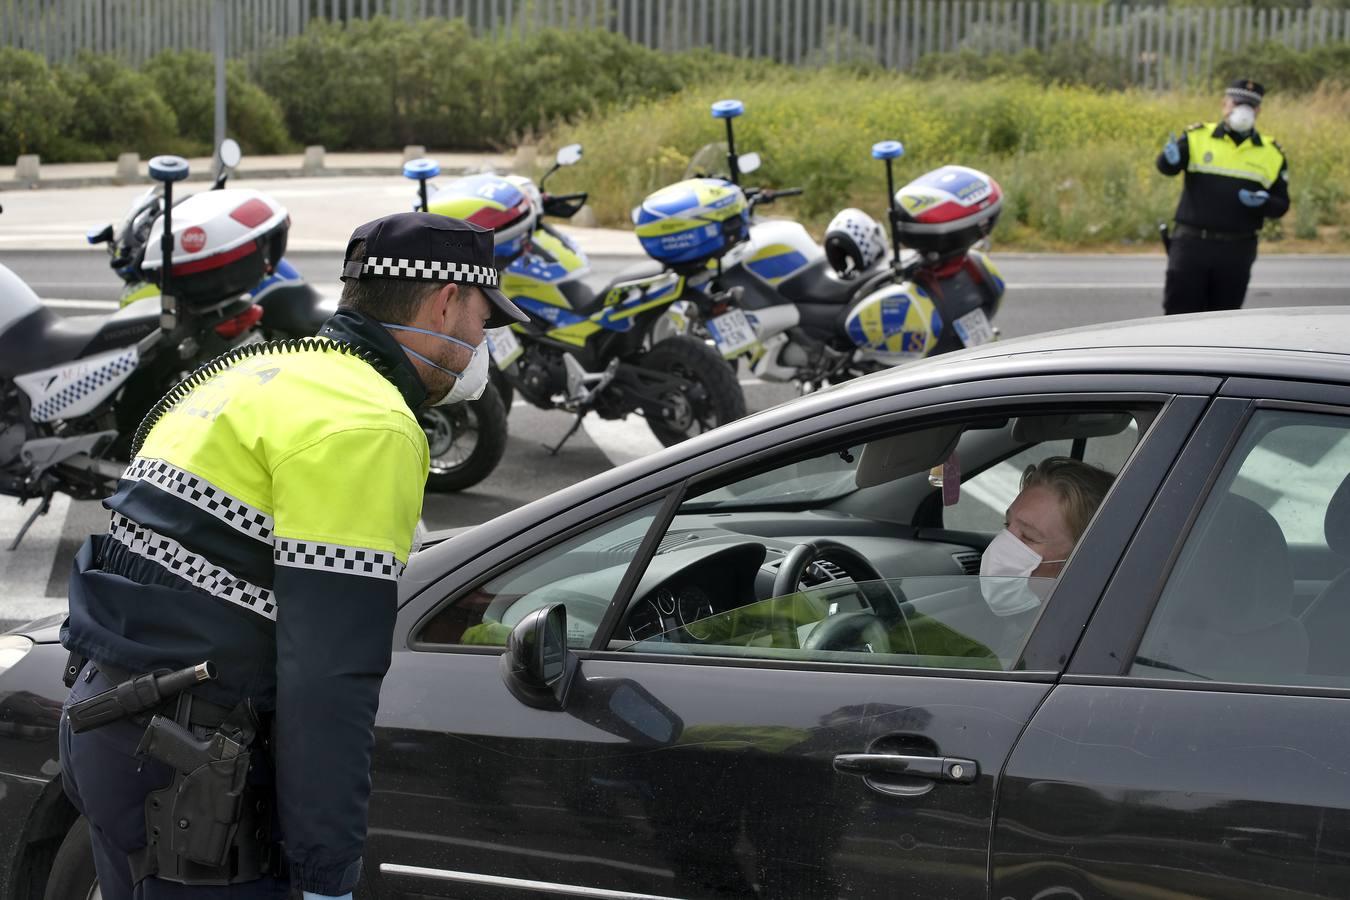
(262, 525)
(1236, 178)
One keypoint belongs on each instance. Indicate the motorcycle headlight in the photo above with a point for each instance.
(13, 647)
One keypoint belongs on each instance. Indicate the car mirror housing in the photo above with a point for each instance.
(537, 666)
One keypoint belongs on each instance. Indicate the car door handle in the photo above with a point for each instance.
(938, 768)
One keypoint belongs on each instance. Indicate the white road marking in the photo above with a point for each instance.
(1158, 286)
(24, 572)
(60, 303)
(621, 440)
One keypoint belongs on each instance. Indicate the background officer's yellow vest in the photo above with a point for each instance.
(1221, 156)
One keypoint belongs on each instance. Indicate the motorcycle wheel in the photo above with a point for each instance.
(503, 386)
(693, 360)
(466, 440)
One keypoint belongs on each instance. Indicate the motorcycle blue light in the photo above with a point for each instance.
(168, 168)
(888, 150)
(420, 169)
(728, 109)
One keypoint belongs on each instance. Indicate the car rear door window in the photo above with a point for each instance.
(1230, 610)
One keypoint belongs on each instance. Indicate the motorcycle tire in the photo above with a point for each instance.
(504, 387)
(455, 466)
(693, 360)
(72, 873)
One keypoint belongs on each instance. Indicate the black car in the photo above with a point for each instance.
(764, 663)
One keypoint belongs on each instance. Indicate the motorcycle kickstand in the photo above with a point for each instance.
(553, 451)
(42, 509)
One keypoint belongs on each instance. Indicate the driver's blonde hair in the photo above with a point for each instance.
(1080, 487)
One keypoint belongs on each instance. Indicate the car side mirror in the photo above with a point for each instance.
(537, 666)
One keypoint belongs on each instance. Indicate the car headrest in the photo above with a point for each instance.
(899, 455)
(1337, 523)
(1238, 580)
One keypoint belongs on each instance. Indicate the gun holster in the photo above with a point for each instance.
(210, 826)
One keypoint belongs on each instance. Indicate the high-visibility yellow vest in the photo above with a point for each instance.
(1223, 156)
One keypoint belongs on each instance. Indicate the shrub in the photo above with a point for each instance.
(115, 109)
(1282, 68)
(187, 82)
(33, 108)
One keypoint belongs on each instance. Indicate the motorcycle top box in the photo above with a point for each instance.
(947, 211)
(691, 222)
(224, 243)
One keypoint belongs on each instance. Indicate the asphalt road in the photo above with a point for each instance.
(1045, 293)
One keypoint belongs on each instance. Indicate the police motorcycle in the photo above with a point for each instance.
(827, 314)
(597, 351)
(74, 390)
(466, 440)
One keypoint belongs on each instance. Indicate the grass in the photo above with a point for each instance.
(1076, 165)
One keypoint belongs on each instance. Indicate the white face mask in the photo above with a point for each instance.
(469, 384)
(1241, 119)
(1005, 573)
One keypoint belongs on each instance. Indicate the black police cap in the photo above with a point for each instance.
(1244, 90)
(422, 246)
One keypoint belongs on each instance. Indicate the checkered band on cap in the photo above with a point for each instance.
(336, 558)
(430, 270)
(191, 567)
(1242, 95)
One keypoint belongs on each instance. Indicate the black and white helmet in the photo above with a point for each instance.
(853, 242)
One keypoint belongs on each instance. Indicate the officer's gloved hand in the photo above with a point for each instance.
(1172, 151)
(1253, 198)
(313, 896)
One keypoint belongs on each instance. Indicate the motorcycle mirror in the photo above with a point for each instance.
(99, 235)
(229, 153)
(748, 162)
(569, 155)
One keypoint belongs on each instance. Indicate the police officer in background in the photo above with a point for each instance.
(263, 525)
(1235, 180)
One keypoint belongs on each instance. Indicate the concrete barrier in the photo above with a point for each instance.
(313, 163)
(128, 166)
(28, 169)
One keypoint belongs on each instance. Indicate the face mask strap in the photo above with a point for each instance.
(435, 334)
(411, 352)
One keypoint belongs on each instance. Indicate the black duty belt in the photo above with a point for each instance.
(1210, 234)
(204, 713)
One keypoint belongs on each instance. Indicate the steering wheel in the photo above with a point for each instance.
(865, 630)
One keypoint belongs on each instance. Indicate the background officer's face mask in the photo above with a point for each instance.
(470, 383)
(1241, 118)
(1005, 573)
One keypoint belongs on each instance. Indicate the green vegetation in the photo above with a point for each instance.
(1077, 165)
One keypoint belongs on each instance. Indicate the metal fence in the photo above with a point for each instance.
(1152, 45)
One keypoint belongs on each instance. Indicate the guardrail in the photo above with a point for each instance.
(1155, 46)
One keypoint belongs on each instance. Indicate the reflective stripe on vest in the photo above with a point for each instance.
(1221, 156)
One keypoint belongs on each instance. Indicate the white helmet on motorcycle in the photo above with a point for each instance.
(531, 192)
(854, 242)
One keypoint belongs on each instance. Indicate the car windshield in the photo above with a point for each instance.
(811, 482)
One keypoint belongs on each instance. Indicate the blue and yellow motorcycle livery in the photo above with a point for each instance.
(603, 351)
(823, 314)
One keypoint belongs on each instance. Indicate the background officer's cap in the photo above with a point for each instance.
(421, 246)
(1244, 90)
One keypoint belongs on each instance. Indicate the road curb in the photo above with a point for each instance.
(14, 184)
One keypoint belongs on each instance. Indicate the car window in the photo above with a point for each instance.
(1227, 612)
(825, 556)
(985, 497)
(583, 573)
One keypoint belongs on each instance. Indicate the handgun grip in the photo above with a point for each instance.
(170, 743)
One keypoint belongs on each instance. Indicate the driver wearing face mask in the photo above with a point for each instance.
(1235, 179)
(1057, 500)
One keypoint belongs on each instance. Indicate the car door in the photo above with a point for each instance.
(716, 770)
(1197, 745)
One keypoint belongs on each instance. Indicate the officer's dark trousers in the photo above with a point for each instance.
(1205, 275)
(108, 784)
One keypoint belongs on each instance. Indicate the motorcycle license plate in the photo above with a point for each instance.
(732, 333)
(974, 329)
(503, 346)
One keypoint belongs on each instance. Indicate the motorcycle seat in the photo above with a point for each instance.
(294, 309)
(44, 339)
(817, 283)
(585, 299)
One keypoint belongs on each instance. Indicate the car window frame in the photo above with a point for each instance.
(561, 516)
(1176, 417)
(1117, 629)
